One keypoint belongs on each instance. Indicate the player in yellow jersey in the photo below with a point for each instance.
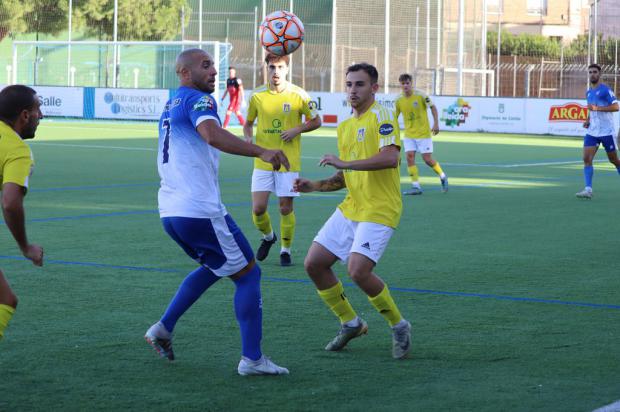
(413, 105)
(359, 230)
(20, 112)
(279, 107)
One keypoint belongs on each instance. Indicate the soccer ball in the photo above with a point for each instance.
(281, 33)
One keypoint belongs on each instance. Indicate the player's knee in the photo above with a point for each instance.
(259, 210)
(286, 209)
(411, 158)
(8, 298)
(358, 274)
(313, 266)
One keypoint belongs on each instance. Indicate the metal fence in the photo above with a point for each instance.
(451, 47)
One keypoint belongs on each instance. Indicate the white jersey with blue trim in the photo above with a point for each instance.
(601, 123)
(187, 165)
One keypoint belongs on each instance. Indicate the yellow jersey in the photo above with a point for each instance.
(277, 112)
(413, 109)
(374, 196)
(15, 157)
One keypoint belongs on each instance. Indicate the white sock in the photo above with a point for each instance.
(269, 237)
(353, 323)
(416, 185)
(161, 331)
(285, 249)
(442, 175)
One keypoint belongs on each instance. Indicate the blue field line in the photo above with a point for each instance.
(307, 281)
(155, 211)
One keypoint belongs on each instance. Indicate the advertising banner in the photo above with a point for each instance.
(135, 104)
(60, 101)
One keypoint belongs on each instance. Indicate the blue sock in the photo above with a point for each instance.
(249, 311)
(618, 169)
(190, 290)
(588, 171)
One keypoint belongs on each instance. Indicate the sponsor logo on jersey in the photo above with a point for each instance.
(276, 123)
(205, 103)
(386, 129)
(361, 134)
(569, 112)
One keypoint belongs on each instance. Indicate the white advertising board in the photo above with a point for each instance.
(60, 101)
(135, 104)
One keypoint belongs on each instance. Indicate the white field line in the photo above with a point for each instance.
(148, 149)
(612, 407)
(90, 146)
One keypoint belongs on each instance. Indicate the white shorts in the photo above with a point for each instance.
(342, 236)
(280, 183)
(418, 145)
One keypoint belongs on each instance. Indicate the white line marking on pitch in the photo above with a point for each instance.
(89, 146)
(612, 407)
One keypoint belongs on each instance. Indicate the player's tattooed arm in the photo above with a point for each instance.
(336, 182)
(331, 184)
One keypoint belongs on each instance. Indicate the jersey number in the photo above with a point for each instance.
(166, 126)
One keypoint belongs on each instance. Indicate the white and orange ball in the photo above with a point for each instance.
(281, 33)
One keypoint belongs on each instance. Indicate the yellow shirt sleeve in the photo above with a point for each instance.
(252, 110)
(389, 134)
(397, 110)
(17, 167)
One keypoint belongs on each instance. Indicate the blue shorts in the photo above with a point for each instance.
(217, 243)
(608, 142)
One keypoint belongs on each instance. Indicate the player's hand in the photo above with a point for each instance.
(332, 160)
(435, 129)
(288, 135)
(586, 125)
(302, 185)
(277, 158)
(592, 107)
(34, 253)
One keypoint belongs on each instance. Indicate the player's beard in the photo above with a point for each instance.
(29, 131)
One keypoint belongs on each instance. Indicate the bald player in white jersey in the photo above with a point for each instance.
(192, 212)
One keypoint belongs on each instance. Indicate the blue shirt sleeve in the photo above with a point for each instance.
(609, 96)
(201, 107)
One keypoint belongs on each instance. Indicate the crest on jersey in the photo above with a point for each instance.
(361, 134)
(205, 103)
(415, 104)
(286, 108)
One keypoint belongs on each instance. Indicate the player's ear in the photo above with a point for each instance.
(375, 87)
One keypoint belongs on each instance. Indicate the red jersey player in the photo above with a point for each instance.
(234, 88)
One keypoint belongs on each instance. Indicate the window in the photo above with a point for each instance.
(537, 7)
(495, 6)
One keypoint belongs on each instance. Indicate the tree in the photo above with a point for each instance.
(153, 20)
(36, 16)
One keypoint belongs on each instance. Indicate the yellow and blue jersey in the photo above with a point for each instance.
(414, 113)
(277, 112)
(374, 196)
(15, 157)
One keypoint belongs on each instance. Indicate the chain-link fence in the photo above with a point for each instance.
(535, 48)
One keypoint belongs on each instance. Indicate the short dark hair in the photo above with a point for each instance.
(15, 99)
(404, 77)
(595, 66)
(366, 67)
(270, 57)
(231, 68)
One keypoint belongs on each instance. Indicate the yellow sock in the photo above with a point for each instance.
(437, 169)
(262, 223)
(384, 303)
(6, 313)
(413, 172)
(287, 229)
(335, 299)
